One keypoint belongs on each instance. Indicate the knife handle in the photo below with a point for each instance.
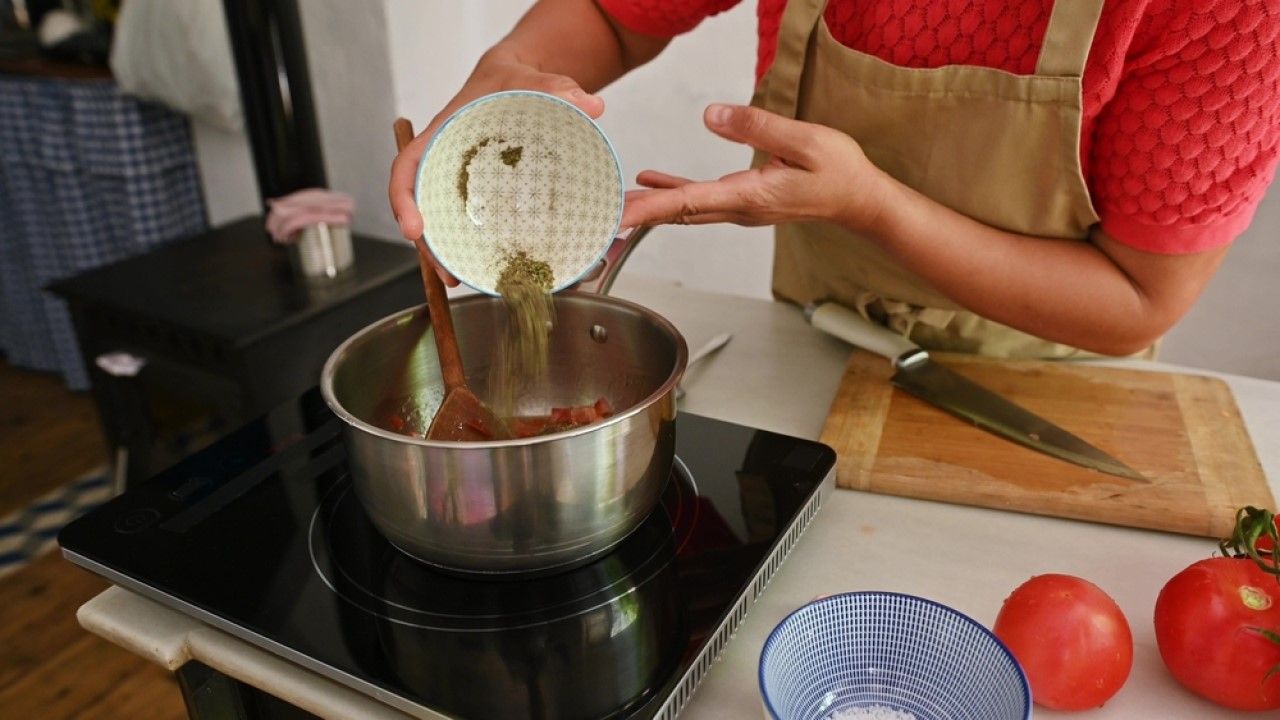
(857, 330)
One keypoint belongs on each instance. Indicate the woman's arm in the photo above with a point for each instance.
(1099, 295)
(568, 48)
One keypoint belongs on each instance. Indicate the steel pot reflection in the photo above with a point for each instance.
(604, 651)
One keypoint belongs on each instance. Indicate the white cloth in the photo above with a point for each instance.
(178, 53)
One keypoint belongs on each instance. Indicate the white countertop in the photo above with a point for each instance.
(780, 374)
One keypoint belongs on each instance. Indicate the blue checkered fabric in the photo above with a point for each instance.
(87, 177)
(33, 530)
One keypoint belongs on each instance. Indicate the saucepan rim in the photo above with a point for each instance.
(667, 387)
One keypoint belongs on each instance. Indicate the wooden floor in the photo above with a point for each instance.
(50, 667)
(48, 436)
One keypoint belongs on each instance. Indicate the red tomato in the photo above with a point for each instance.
(603, 408)
(1208, 619)
(1070, 637)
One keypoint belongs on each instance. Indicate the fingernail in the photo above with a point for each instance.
(719, 114)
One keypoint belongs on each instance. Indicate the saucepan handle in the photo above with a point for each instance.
(600, 280)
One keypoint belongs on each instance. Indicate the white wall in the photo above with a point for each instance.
(1232, 328)
(226, 173)
(351, 77)
(351, 80)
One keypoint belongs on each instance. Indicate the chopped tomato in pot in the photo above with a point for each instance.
(603, 409)
(558, 420)
(561, 419)
(523, 427)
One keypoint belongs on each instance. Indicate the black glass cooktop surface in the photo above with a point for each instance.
(261, 534)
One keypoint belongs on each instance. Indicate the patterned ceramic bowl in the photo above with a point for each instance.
(519, 171)
(886, 655)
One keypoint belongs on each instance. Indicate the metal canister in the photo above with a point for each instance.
(321, 252)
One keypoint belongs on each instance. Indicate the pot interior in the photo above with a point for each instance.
(600, 347)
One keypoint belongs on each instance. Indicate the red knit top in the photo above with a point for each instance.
(1181, 97)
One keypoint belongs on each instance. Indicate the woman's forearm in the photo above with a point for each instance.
(1100, 295)
(568, 48)
(577, 39)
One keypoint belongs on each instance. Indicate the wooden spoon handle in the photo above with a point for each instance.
(437, 296)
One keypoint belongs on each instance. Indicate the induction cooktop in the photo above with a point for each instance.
(262, 536)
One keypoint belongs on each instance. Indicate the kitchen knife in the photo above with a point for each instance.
(917, 374)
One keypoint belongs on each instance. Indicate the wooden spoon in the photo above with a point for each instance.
(462, 416)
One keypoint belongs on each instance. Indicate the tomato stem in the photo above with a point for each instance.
(1252, 524)
(1272, 637)
(1254, 598)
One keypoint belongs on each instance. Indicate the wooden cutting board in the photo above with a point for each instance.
(1183, 432)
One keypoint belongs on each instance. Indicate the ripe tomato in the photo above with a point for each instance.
(1207, 627)
(1071, 639)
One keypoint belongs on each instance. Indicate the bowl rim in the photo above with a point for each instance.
(773, 634)
(500, 95)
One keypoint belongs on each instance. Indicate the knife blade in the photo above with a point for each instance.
(916, 373)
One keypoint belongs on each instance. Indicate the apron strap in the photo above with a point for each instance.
(780, 88)
(1067, 40)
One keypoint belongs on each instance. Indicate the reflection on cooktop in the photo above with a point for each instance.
(362, 567)
(592, 642)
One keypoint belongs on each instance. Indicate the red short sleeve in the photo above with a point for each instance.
(1183, 153)
(663, 18)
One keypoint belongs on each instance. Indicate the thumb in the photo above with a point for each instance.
(566, 88)
(780, 136)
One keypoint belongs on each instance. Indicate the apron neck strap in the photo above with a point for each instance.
(780, 89)
(1067, 40)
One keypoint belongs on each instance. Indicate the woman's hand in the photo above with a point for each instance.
(567, 48)
(496, 72)
(813, 173)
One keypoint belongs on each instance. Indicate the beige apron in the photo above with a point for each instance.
(1001, 148)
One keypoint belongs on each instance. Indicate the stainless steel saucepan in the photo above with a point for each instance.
(522, 505)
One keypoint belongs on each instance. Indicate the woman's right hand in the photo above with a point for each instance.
(494, 73)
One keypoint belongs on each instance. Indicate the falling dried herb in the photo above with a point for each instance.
(525, 285)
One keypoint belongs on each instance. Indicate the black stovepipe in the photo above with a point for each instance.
(275, 90)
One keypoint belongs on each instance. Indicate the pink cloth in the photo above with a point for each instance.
(289, 215)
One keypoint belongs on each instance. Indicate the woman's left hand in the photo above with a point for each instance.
(813, 173)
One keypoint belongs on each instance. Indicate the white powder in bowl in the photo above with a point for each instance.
(873, 712)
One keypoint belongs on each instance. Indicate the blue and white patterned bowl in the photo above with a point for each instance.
(900, 652)
(519, 171)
